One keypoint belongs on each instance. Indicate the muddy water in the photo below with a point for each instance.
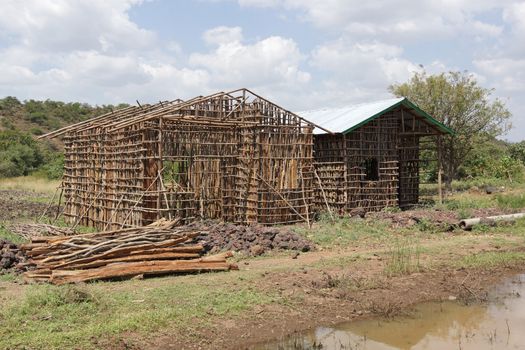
(448, 325)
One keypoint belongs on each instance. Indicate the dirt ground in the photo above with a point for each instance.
(326, 286)
(331, 295)
(16, 205)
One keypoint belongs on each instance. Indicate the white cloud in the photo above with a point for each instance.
(222, 35)
(507, 74)
(270, 61)
(63, 25)
(364, 69)
(392, 21)
(103, 70)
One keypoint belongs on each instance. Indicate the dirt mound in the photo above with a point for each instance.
(253, 240)
(431, 219)
(441, 220)
(10, 256)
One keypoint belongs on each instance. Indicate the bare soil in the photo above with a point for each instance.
(327, 296)
(22, 205)
(321, 287)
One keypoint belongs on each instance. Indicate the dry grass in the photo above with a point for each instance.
(29, 183)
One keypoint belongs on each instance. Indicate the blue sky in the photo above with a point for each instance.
(301, 53)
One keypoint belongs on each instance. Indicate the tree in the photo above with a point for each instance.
(456, 100)
(517, 151)
(19, 154)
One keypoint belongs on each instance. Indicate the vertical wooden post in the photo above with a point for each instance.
(440, 185)
(160, 185)
(440, 169)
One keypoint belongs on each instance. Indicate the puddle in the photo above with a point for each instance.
(447, 325)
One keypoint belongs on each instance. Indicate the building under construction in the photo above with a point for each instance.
(231, 156)
(371, 158)
(240, 158)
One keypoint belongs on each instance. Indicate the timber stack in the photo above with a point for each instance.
(151, 250)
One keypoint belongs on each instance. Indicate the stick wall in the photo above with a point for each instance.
(230, 156)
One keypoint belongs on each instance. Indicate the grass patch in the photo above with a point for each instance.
(8, 277)
(511, 201)
(10, 236)
(491, 259)
(426, 225)
(466, 202)
(61, 317)
(343, 231)
(403, 258)
(30, 183)
(515, 228)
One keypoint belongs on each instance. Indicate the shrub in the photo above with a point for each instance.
(19, 154)
(53, 169)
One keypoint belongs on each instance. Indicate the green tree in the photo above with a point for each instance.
(517, 151)
(456, 100)
(19, 154)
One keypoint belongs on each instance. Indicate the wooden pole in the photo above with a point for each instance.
(440, 185)
(324, 195)
(306, 206)
(49, 205)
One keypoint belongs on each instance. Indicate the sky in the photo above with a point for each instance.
(301, 54)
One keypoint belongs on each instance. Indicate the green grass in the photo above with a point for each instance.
(403, 258)
(8, 235)
(467, 202)
(511, 201)
(481, 183)
(8, 277)
(51, 317)
(516, 228)
(426, 225)
(341, 232)
(491, 259)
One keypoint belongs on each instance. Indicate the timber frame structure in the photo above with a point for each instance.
(372, 159)
(231, 156)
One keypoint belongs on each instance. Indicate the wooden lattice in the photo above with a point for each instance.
(231, 156)
(391, 143)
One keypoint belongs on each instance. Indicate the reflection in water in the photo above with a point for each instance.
(448, 325)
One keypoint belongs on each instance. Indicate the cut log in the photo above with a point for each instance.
(128, 270)
(467, 224)
(132, 258)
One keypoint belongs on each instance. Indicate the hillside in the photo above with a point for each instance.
(39, 117)
(21, 122)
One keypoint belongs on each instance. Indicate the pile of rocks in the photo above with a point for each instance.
(10, 255)
(253, 240)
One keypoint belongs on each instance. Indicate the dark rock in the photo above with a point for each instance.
(248, 239)
(490, 189)
(256, 250)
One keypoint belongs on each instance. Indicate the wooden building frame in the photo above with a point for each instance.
(371, 160)
(232, 156)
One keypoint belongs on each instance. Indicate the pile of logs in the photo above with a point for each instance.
(152, 250)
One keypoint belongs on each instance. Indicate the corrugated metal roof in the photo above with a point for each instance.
(348, 118)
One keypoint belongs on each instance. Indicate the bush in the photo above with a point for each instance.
(19, 154)
(53, 168)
